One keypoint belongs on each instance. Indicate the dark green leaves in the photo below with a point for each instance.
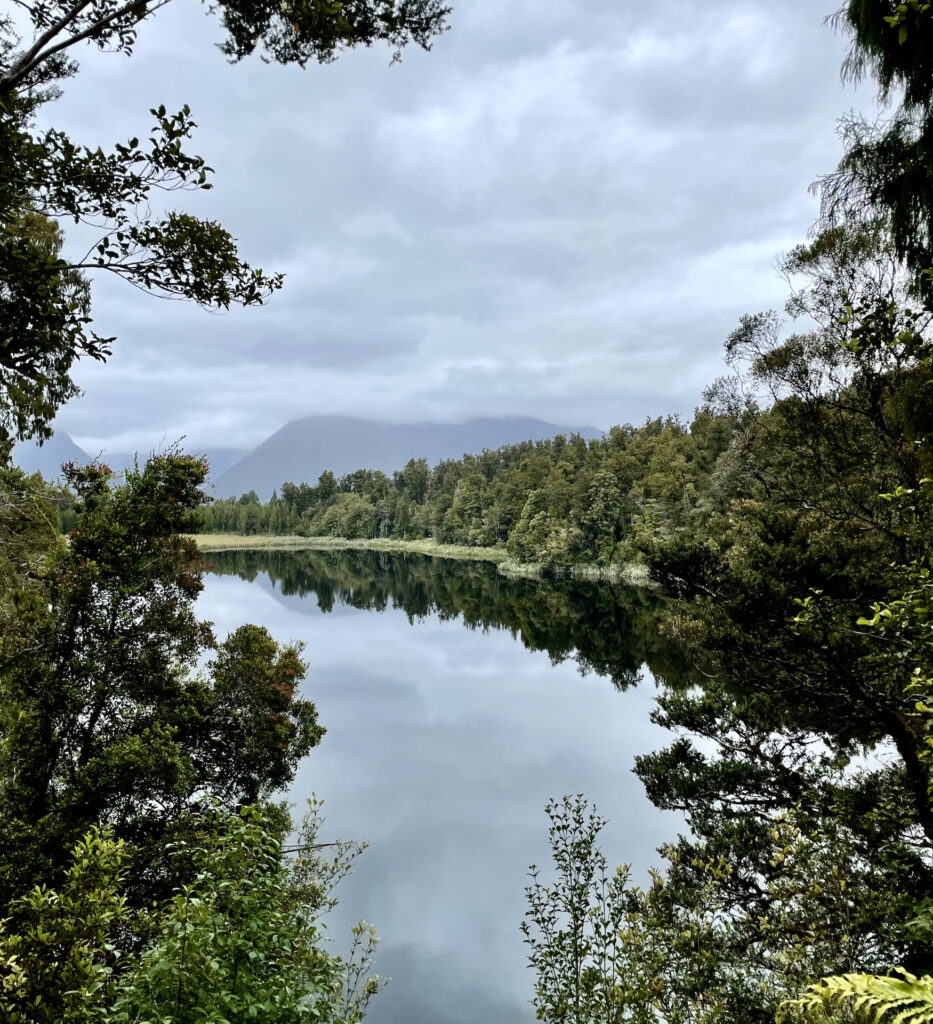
(886, 171)
(300, 31)
(103, 719)
(45, 301)
(237, 942)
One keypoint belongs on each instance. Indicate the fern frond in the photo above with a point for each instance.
(906, 999)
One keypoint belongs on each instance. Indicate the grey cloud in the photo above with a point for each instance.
(427, 989)
(546, 214)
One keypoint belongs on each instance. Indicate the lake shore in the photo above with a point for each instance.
(289, 542)
(628, 573)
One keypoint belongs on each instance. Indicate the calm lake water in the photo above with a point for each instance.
(456, 703)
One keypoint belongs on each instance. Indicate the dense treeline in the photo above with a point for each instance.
(559, 501)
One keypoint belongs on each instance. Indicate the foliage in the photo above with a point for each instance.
(906, 999)
(28, 529)
(574, 928)
(102, 719)
(680, 950)
(558, 502)
(850, 423)
(45, 298)
(57, 965)
(46, 177)
(238, 942)
(822, 512)
(885, 172)
(36, 355)
(294, 34)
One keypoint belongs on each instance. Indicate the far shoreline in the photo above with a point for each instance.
(290, 542)
(630, 574)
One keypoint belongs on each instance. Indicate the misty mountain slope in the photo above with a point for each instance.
(48, 458)
(219, 460)
(60, 448)
(301, 450)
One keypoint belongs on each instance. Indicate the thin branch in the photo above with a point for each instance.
(312, 846)
(27, 62)
(22, 68)
(125, 270)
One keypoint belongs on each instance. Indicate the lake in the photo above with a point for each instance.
(457, 702)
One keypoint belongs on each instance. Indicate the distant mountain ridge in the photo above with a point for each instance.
(302, 449)
(219, 460)
(47, 459)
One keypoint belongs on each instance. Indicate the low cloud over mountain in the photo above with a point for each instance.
(301, 450)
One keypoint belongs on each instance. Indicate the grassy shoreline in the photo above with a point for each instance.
(288, 542)
(628, 573)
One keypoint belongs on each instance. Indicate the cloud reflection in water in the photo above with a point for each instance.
(443, 745)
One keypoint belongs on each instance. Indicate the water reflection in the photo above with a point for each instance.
(445, 742)
(610, 630)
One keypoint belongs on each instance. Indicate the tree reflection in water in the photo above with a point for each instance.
(609, 629)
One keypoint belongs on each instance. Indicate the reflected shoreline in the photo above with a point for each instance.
(613, 631)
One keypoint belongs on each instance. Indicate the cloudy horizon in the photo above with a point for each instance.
(556, 213)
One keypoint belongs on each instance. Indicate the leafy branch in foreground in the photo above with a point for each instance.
(680, 951)
(296, 32)
(45, 297)
(903, 999)
(103, 719)
(239, 942)
(886, 172)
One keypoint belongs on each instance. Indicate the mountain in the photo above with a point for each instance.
(219, 460)
(48, 458)
(60, 448)
(301, 450)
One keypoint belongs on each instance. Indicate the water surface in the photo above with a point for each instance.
(456, 703)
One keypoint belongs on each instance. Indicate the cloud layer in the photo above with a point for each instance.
(560, 211)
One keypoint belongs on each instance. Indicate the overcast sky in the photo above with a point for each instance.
(560, 211)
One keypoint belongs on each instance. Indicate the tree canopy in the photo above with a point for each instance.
(886, 171)
(104, 720)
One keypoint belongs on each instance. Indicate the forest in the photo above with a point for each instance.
(146, 873)
(555, 502)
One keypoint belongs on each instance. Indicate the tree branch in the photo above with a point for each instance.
(33, 58)
(28, 60)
